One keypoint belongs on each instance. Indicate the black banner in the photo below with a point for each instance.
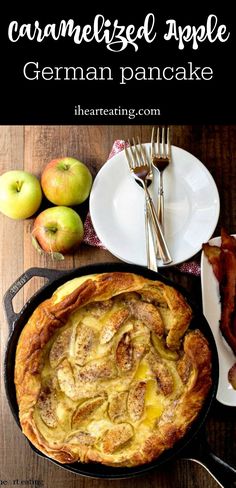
(108, 66)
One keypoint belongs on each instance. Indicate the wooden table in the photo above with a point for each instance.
(30, 148)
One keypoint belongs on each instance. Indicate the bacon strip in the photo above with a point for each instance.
(223, 260)
(213, 255)
(232, 376)
(228, 294)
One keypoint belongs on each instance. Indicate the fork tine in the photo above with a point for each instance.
(143, 155)
(163, 143)
(132, 155)
(128, 158)
(152, 143)
(168, 143)
(158, 142)
(137, 153)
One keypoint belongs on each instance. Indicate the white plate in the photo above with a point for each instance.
(212, 311)
(191, 207)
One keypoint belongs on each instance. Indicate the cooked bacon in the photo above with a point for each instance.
(228, 292)
(223, 260)
(213, 255)
(227, 242)
(232, 376)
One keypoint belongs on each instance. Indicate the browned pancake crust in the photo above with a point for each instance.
(120, 391)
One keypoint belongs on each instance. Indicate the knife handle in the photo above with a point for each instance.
(163, 248)
(150, 240)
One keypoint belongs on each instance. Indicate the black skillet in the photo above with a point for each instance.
(187, 447)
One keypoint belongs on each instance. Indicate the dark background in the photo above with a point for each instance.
(52, 102)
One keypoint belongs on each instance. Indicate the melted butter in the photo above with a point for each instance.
(154, 404)
(151, 392)
(143, 372)
(153, 412)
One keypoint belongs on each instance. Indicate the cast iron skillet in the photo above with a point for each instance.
(223, 473)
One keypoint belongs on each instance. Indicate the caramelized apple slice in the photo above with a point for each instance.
(136, 399)
(124, 353)
(118, 406)
(47, 407)
(141, 345)
(82, 438)
(163, 351)
(117, 437)
(101, 369)
(98, 309)
(148, 314)
(113, 324)
(60, 348)
(86, 409)
(66, 379)
(83, 344)
(163, 375)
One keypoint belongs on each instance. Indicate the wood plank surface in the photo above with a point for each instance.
(30, 148)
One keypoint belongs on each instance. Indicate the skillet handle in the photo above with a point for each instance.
(49, 274)
(200, 452)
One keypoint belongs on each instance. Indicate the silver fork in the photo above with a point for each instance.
(149, 237)
(160, 159)
(150, 251)
(142, 172)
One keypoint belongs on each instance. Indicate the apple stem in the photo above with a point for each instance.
(51, 229)
(19, 185)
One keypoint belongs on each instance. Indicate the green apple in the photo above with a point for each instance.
(58, 229)
(20, 194)
(66, 181)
